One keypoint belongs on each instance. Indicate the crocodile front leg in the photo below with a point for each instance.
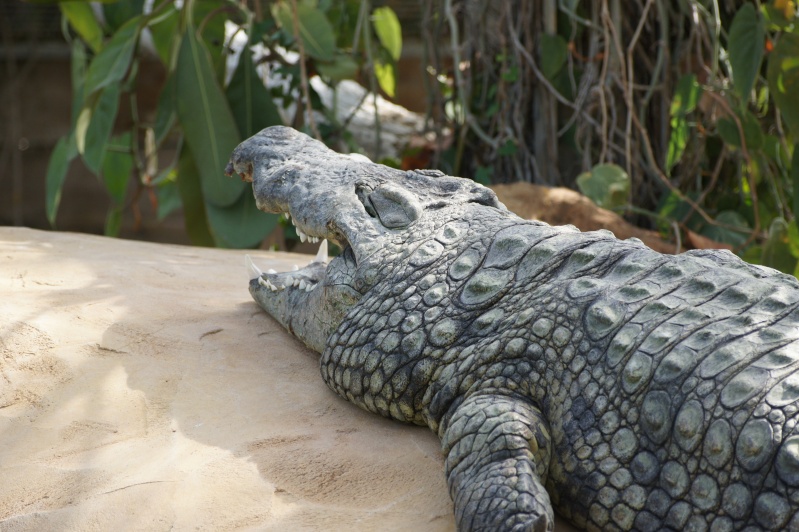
(498, 452)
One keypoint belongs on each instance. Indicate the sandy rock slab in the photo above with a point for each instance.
(142, 389)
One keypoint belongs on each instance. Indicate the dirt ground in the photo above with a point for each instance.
(562, 206)
(142, 389)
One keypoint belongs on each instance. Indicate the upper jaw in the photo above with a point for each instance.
(295, 175)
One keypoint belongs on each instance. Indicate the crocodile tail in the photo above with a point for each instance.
(498, 451)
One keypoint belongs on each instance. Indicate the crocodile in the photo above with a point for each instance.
(562, 370)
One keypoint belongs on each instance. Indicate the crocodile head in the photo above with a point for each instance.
(360, 205)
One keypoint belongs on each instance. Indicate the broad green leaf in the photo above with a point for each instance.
(117, 166)
(118, 13)
(113, 221)
(686, 96)
(98, 131)
(745, 43)
(165, 111)
(795, 180)
(783, 78)
(678, 140)
(554, 52)
(777, 250)
(607, 185)
(240, 225)
(81, 126)
(81, 18)
(315, 30)
(386, 77)
(342, 67)
(164, 30)
(483, 175)
(191, 196)
(78, 62)
(168, 195)
(793, 238)
(113, 61)
(730, 133)
(250, 102)
(724, 234)
(208, 16)
(54, 179)
(389, 32)
(207, 121)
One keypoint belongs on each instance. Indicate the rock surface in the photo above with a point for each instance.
(141, 388)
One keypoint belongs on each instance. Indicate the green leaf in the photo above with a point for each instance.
(81, 18)
(117, 166)
(795, 180)
(607, 185)
(165, 111)
(240, 225)
(724, 234)
(793, 238)
(207, 121)
(730, 133)
(483, 175)
(389, 32)
(746, 39)
(211, 16)
(113, 221)
(78, 63)
(386, 77)
(776, 250)
(315, 30)
(113, 61)
(686, 96)
(118, 13)
(554, 52)
(101, 122)
(168, 195)
(678, 140)
(783, 78)
(250, 102)
(342, 67)
(191, 196)
(54, 179)
(508, 149)
(164, 30)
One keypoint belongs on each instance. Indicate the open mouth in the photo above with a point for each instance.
(305, 279)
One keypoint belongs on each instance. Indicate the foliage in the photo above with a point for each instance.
(213, 98)
(692, 104)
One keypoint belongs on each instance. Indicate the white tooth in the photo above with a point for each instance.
(252, 270)
(292, 221)
(309, 287)
(263, 282)
(271, 271)
(288, 216)
(302, 284)
(321, 255)
(270, 286)
(295, 268)
(303, 236)
(295, 283)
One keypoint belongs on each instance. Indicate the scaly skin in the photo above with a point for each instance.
(626, 389)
